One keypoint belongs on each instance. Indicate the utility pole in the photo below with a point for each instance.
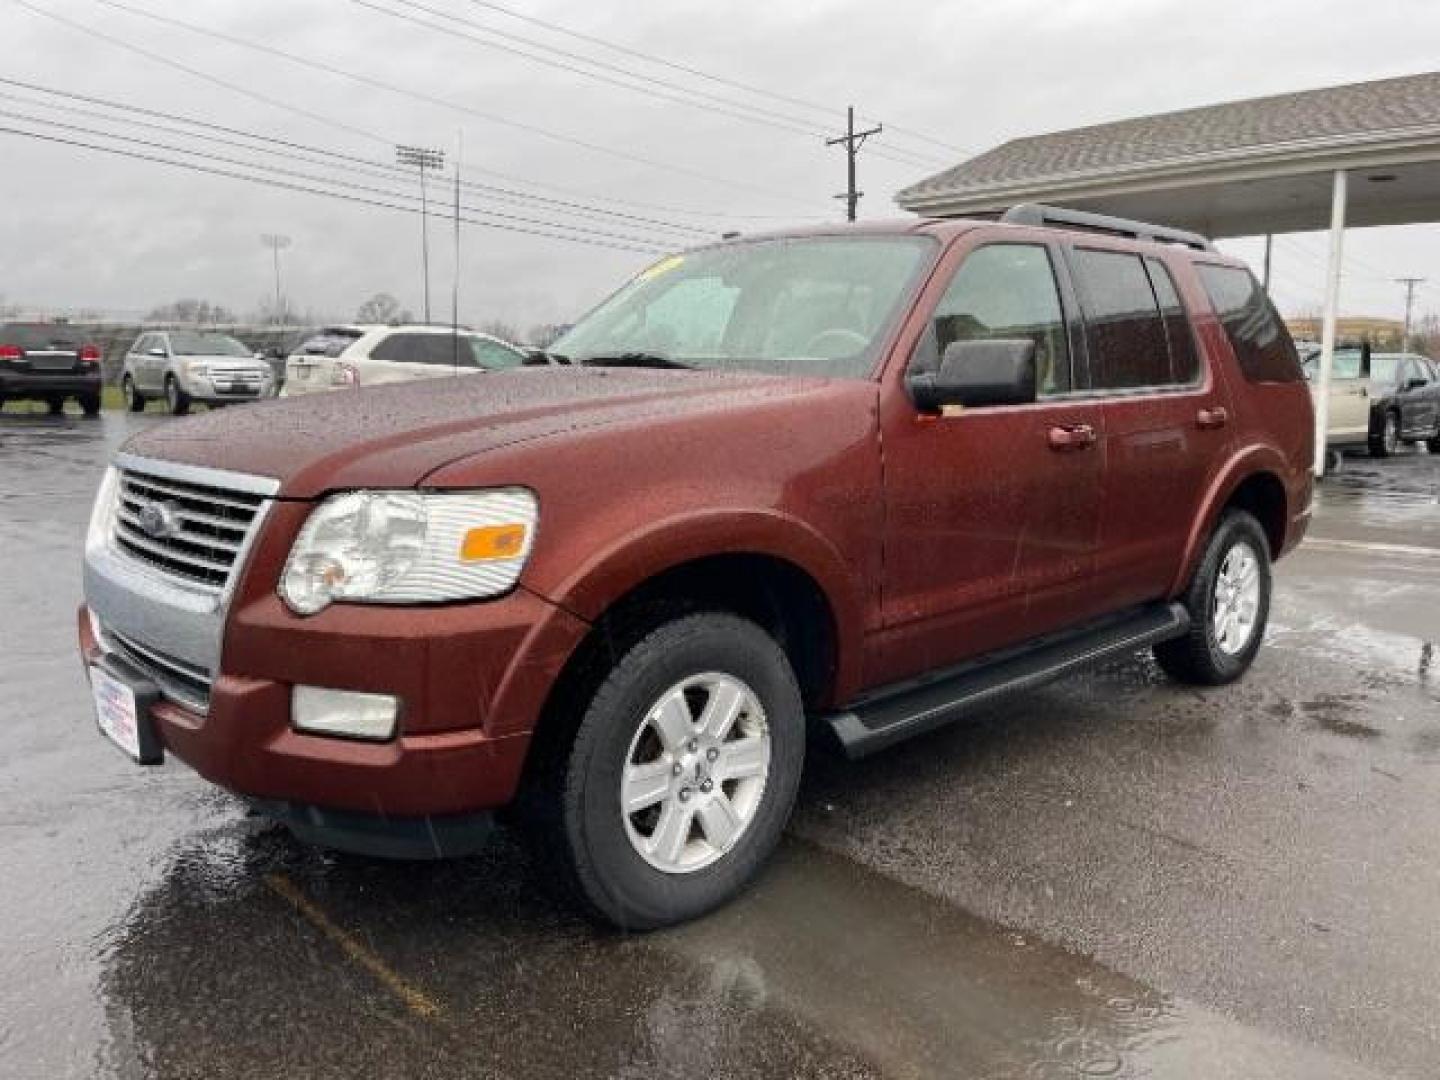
(276, 243)
(853, 140)
(1409, 283)
(422, 159)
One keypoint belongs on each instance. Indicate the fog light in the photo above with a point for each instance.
(319, 711)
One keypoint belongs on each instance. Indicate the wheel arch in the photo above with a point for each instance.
(1250, 481)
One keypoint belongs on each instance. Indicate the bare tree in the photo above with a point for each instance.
(501, 329)
(189, 310)
(382, 308)
(543, 335)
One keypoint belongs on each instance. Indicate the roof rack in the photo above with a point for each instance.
(1040, 214)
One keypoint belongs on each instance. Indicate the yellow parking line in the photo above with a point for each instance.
(417, 1001)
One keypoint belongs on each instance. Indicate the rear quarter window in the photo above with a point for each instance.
(1262, 345)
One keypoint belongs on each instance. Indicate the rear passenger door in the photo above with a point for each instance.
(1167, 421)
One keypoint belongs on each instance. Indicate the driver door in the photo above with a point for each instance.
(992, 513)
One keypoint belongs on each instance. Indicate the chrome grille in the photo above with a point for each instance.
(183, 683)
(185, 529)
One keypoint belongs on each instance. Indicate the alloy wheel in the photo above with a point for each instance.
(1237, 599)
(695, 772)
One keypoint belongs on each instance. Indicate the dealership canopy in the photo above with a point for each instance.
(1366, 154)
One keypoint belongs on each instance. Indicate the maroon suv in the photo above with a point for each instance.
(875, 477)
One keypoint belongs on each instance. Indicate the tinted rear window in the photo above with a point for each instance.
(40, 336)
(1262, 344)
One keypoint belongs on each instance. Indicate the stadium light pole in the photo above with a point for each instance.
(422, 159)
(276, 242)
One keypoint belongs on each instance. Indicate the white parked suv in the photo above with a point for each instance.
(341, 357)
(184, 366)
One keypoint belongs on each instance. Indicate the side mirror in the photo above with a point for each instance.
(994, 372)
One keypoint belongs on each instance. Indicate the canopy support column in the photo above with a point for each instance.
(1332, 306)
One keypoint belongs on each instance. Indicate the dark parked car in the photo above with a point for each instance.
(1405, 402)
(873, 477)
(49, 362)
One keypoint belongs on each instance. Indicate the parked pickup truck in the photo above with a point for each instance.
(870, 477)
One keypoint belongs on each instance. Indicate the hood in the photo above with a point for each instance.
(394, 436)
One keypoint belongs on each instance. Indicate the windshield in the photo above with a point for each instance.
(812, 306)
(195, 343)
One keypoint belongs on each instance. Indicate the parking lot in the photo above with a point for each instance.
(1113, 876)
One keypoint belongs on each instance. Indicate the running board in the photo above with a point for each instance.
(903, 710)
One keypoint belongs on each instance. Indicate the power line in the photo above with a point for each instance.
(291, 178)
(679, 94)
(720, 80)
(340, 125)
(287, 149)
(311, 63)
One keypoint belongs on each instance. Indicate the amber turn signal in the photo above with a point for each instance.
(493, 542)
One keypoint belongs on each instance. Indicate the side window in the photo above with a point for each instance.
(1346, 364)
(399, 349)
(1262, 344)
(491, 354)
(1184, 360)
(1122, 321)
(142, 345)
(1005, 291)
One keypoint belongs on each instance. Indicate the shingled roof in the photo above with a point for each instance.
(1241, 130)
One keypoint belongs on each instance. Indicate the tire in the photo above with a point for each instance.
(634, 870)
(1433, 444)
(1204, 656)
(1387, 441)
(55, 406)
(134, 400)
(89, 403)
(176, 400)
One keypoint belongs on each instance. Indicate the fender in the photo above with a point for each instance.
(610, 572)
(1243, 463)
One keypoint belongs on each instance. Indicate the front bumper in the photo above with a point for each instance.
(209, 389)
(472, 680)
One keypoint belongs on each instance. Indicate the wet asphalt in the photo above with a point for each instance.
(1110, 877)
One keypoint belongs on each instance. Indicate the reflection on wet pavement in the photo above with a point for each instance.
(824, 969)
(1110, 877)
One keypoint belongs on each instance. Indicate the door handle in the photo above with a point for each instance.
(1212, 418)
(1071, 437)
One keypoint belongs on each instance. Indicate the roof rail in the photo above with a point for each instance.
(1040, 214)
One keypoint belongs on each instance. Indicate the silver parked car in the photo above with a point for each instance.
(185, 366)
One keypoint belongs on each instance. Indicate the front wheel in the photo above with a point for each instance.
(682, 773)
(1229, 602)
(1387, 441)
(176, 400)
(134, 400)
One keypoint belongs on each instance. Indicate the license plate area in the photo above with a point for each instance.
(122, 712)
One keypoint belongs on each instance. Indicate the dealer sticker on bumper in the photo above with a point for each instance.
(120, 717)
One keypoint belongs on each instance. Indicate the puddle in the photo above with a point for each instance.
(823, 969)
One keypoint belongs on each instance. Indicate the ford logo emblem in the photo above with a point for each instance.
(160, 519)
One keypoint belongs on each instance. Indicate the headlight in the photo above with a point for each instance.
(102, 515)
(196, 368)
(410, 547)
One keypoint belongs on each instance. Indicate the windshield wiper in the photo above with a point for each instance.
(634, 359)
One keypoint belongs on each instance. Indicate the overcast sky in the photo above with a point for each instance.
(82, 229)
